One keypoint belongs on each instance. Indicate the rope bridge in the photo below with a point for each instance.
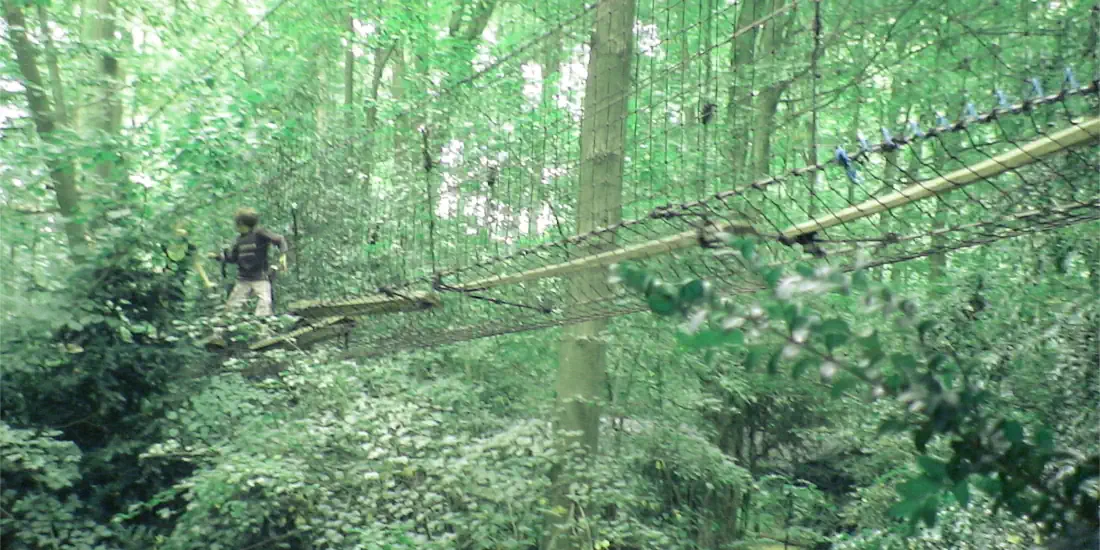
(482, 247)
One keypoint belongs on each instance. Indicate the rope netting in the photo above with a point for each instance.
(473, 211)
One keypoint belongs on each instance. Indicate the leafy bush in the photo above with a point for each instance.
(84, 387)
(936, 388)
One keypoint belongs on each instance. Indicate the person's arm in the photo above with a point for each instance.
(275, 239)
(231, 258)
(280, 242)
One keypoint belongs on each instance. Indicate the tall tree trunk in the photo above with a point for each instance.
(381, 57)
(60, 109)
(467, 37)
(812, 153)
(405, 145)
(739, 100)
(892, 174)
(109, 119)
(937, 263)
(912, 174)
(403, 125)
(243, 18)
(551, 65)
(349, 73)
(853, 132)
(480, 19)
(764, 128)
(66, 192)
(351, 155)
(890, 177)
(581, 369)
(771, 40)
(320, 116)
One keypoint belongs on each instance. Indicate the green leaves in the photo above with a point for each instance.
(1013, 431)
(932, 385)
(919, 488)
(711, 337)
(177, 252)
(1044, 439)
(843, 384)
(662, 301)
(835, 332)
(934, 468)
(693, 292)
(961, 490)
(754, 356)
(924, 327)
(919, 500)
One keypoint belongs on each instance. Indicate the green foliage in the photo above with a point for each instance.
(933, 389)
(115, 432)
(336, 455)
(97, 369)
(963, 527)
(40, 511)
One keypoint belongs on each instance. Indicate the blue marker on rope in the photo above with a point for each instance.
(1036, 89)
(1002, 100)
(863, 145)
(914, 127)
(941, 120)
(1070, 81)
(842, 157)
(846, 162)
(887, 139)
(971, 112)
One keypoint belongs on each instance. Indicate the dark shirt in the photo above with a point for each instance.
(250, 253)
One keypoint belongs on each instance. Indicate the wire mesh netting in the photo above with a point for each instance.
(476, 195)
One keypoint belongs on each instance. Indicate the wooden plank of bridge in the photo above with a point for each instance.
(316, 331)
(374, 304)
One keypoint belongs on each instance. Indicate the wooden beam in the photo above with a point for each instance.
(367, 305)
(316, 331)
(632, 252)
(1027, 154)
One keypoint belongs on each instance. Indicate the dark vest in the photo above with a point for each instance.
(251, 253)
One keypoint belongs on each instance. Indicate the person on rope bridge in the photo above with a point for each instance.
(250, 253)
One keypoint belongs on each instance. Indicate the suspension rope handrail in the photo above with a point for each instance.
(1027, 154)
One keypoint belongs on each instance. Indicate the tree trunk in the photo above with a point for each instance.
(482, 13)
(349, 74)
(465, 38)
(67, 194)
(581, 369)
(402, 126)
(739, 100)
(349, 176)
(937, 263)
(853, 132)
(771, 40)
(912, 174)
(763, 128)
(812, 153)
(551, 64)
(381, 57)
(109, 119)
(56, 89)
